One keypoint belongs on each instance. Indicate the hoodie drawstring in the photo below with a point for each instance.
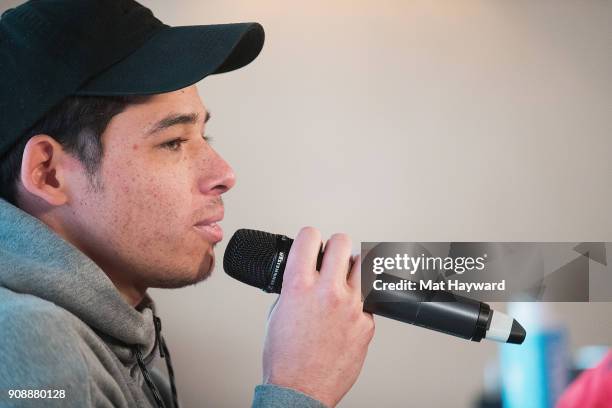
(147, 378)
(165, 354)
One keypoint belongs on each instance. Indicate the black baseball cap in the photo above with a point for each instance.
(52, 49)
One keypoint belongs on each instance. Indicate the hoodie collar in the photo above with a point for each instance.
(37, 261)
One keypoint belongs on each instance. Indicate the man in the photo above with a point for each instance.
(109, 187)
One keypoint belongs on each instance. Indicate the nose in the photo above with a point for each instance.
(218, 176)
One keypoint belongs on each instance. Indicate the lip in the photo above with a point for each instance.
(211, 232)
(210, 229)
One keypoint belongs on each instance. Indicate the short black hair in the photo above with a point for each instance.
(77, 123)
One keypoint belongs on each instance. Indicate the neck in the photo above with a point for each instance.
(132, 294)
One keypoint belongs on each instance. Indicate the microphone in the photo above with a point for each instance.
(258, 258)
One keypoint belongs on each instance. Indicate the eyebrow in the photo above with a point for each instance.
(175, 119)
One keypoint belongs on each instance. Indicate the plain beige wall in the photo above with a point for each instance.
(400, 121)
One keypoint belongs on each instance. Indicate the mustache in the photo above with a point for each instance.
(212, 207)
(215, 203)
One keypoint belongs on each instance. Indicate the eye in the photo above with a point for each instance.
(173, 145)
(207, 138)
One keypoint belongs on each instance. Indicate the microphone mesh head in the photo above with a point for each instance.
(249, 257)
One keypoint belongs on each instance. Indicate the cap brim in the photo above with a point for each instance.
(177, 57)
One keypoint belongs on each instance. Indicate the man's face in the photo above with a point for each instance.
(152, 223)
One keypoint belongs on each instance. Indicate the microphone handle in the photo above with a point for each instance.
(435, 310)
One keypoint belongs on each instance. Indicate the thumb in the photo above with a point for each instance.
(273, 307)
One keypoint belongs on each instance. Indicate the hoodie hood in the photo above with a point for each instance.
(35, 260)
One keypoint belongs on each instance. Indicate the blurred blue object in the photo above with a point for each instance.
(535, 373)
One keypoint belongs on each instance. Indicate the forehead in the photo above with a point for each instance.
(139, 118)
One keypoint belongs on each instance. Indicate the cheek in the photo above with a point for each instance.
(148, 203)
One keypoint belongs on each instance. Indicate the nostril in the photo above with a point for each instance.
(221, 188)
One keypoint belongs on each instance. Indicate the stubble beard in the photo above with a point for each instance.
(170, 279)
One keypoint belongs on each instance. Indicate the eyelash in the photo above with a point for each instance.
(175, 144)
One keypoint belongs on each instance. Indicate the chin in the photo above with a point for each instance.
(178, 278)
(205, 269)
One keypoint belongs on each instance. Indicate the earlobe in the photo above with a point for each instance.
(41, 171)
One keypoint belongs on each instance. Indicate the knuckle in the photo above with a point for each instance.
(341, 238)
(356, 315)
(297, 284)
(332, 296)
(370, 328)
(309, 232)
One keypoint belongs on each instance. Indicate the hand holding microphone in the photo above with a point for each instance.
(319, 330)
(258, 259)
(317, 335)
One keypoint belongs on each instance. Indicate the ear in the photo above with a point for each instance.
(42, 174)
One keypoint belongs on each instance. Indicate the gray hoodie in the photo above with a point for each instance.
(66, 331)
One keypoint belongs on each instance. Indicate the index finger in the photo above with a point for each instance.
(336, 261)
(302, 259)
(354, 278)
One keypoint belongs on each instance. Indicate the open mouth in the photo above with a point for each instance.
(211, 231)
